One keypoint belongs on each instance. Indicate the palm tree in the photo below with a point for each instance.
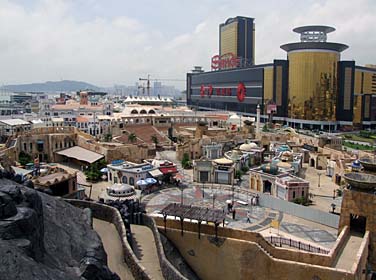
(154, 139)
(132, 138)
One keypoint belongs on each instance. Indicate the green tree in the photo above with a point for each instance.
(108, 137)
(24, 158)
(93, 173)
(132, 138)
(185, 162)
(154, 139)
(238, 174)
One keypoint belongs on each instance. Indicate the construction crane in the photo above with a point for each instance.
(148, 82)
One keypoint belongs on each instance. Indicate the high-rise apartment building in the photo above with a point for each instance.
(237, 36)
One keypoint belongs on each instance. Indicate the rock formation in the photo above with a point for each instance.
(43, 237)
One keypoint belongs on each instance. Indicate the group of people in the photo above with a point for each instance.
(231, 209)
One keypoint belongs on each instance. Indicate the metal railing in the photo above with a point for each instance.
(277, 240)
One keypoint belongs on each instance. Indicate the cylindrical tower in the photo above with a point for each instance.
(312, 91)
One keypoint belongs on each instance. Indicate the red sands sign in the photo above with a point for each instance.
(209, 90)
(226, 61)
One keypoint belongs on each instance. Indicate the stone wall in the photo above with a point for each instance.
(134, 153)
(252, 246)
(229, 258)
(112, 215)
(361, 204)
(168, 270)
(280, 253)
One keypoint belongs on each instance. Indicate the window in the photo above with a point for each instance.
(125, 180)
(31, 147)
(115, 179)
(131, 181)
(24, 146)
(110, 176)
(293, 194)
(303, 193)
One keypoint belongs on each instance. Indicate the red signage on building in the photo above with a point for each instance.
(241, 91)
(228, 60)
(209, 90)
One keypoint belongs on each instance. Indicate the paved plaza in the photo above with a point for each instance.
(260, 217)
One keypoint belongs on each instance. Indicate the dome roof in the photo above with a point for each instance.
(120, 188)
(248, 147)
(236, 155)
(223, 161)
(234, 117)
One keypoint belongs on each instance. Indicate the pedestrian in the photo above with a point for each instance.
(248, 217)
(233, 214)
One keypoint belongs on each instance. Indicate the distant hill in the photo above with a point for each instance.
(49, 86)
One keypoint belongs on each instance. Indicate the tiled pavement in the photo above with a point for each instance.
(260, 217)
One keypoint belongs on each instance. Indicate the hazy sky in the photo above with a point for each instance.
(108, 42)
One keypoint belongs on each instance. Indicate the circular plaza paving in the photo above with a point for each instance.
(260, 217)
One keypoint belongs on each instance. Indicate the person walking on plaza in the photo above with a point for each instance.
(248, 217)
(233, 214)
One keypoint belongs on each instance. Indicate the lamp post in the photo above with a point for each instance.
(333, 207)
(319, 174)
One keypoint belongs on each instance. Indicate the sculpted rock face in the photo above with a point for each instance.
(43, 237)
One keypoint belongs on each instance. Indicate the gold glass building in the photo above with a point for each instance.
(237, 36)
(312, 85)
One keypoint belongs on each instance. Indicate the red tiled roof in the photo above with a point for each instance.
(82, 119)
(168, 169)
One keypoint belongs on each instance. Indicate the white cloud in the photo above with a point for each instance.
(47, 42)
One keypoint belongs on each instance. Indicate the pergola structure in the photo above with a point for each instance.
(200, 214)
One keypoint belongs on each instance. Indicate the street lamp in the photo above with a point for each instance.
(181, 196)
(333, 207)
(319, 174)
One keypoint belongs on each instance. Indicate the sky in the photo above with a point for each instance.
(108, 42)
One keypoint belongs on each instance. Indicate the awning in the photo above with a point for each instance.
(168, 169)
(155, 173)
(81, 154)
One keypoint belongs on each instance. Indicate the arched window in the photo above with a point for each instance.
(151, 112)
(143, 111)
(134, 111)
(131, 181)
(125, 180)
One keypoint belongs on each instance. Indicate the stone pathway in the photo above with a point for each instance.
(146, 251)
(112, 246)
(346, 257)
(318, 236)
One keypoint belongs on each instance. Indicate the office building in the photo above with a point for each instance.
(237, 37)
(312, 89)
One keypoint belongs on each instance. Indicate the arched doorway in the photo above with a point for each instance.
(267, 187)
(125, 180)
(358, 223)
(131, 181)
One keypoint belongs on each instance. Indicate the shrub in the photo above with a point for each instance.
(238, 174)
(301, 200)
(24, 158)
(185, 162)
(245, 169)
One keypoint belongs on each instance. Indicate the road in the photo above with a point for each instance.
(146, 251)
(112, 246)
